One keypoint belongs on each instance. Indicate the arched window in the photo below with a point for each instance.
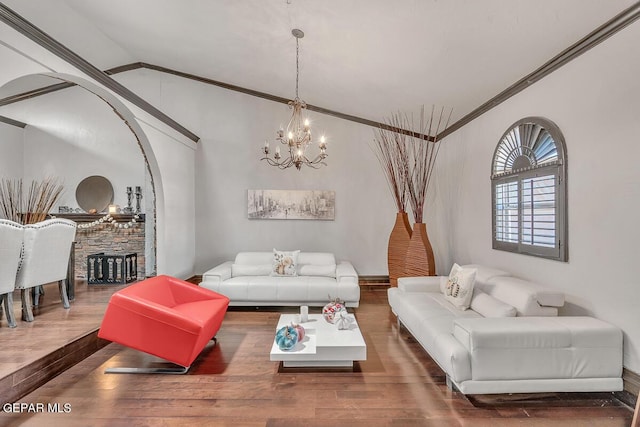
(528, 181)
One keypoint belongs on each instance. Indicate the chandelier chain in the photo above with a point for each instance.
(297, 66)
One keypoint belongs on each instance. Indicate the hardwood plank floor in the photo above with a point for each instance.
(53, 326)
(34, 352)
(233, 383)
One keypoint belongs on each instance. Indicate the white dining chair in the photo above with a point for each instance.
(11, 234)
(45, 259)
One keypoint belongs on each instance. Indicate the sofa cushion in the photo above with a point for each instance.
(429, 317)
(284, 263)
(488, 306)
(459, 288)
(541, 347)
(544, 296)
(328, 270)
(484, 273)
(528, 298)
(250, 270)
(318, 258)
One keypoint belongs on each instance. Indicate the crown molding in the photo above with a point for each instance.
(138, 65)
(12, 122)
(594, 38)
(26, 28)
(273, 98)
(35, 92)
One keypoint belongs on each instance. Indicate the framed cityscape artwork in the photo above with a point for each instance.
(291, 204)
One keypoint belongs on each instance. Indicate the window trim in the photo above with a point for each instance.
(557, 169)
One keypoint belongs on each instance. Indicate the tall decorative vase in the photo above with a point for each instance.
(419, 258)
(398, 246)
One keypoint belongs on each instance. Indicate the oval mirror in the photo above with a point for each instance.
(94, 192)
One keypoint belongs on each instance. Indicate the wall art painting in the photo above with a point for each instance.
(291, 204)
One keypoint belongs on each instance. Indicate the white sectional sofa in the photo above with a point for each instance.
(511, 339)
(248, 281)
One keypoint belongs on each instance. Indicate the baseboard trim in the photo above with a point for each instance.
(631, 381)
(195, 279)
(362, 280)
(369, 280)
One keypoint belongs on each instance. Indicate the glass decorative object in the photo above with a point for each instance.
(329, 311)
(286, 337)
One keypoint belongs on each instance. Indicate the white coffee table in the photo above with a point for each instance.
(324, 345)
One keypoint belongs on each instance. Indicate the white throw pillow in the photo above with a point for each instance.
(284, 263)
(488, 306)
(459, 289)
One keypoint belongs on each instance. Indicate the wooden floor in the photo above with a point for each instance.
(233, 382)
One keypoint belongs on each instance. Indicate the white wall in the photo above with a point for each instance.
(233, 128)
(176, 237)
(72, 135)
(595, 100)
(11, 147)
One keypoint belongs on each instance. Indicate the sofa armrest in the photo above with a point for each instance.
(422, 283)
(218, 273)
(346, 273)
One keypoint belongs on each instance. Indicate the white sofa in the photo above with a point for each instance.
(511, 339)
(247, 281)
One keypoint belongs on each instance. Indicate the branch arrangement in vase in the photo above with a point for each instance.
(423, 150)
(32, 207)
(408, 158)
(407, 152)
(391, 149)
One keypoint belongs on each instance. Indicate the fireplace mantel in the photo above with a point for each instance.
(86, 217)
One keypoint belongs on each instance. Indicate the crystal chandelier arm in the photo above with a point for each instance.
(282, 165)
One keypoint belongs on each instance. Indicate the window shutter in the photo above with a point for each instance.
(506, 212)
(529, 190)
(539, 211)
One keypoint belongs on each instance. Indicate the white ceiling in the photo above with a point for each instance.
(366, 58)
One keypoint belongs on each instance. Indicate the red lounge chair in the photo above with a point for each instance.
(166, 317)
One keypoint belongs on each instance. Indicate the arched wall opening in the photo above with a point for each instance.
(153, 194)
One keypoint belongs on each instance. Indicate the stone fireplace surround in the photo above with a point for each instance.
(108, 239)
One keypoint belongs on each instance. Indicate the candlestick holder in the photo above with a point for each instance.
(129, 208)
(138, 198)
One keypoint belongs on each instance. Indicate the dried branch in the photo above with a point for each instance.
(391, 150)
(41, 197)
(423, 151)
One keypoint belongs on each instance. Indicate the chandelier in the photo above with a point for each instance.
(297, 136)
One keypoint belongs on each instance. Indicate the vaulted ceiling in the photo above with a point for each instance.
(366, 58)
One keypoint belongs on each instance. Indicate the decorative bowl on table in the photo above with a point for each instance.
(329, 311)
